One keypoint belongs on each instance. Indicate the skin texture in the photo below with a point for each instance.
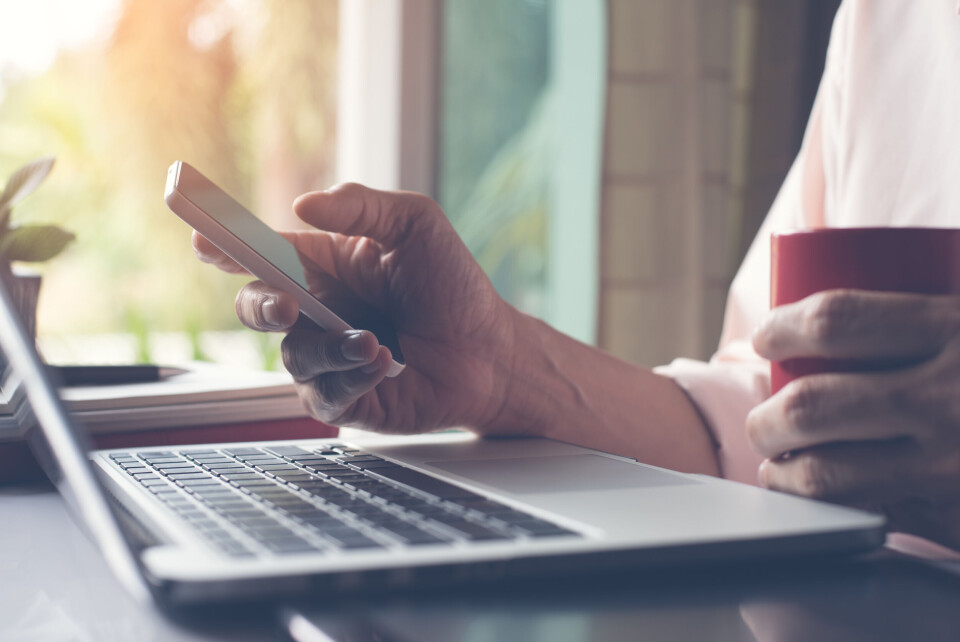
(887, 438)
(473, 361)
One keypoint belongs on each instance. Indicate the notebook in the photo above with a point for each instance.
(238, 521)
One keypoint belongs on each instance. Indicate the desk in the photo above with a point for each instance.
(54, 586)
(884, 597)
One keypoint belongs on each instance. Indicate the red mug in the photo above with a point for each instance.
(885, 259)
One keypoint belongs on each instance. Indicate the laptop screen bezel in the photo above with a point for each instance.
(60, 445)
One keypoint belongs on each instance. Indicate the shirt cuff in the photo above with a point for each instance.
(724, 393)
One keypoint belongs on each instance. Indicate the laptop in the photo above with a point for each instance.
(197, 524)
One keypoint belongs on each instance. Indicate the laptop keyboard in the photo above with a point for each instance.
(285, 500)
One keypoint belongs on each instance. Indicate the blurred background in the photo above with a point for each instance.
(607, 161)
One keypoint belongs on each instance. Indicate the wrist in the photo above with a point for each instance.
(532, 389)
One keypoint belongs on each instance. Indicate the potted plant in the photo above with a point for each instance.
(27, 243)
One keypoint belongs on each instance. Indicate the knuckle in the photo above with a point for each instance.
(755, 431)
(295, 359)
(424, 204)
(309, 355)
(830, 315)
(319, 406)
(813, 478)
(800, 403)
(420, 213)
(348, 189)
(330, 396)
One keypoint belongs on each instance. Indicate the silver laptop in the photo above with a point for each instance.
(189, 524)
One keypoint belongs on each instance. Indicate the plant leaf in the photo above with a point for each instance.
(34, 243)
(24, 181)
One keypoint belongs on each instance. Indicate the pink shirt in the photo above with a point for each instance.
(882, 148)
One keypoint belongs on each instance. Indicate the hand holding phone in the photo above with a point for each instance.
(255, 246)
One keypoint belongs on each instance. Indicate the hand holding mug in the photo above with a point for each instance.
(864, 341)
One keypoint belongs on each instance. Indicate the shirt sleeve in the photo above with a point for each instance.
(736, 379)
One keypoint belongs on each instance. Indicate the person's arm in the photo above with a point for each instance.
(563, 389)
(473, 361)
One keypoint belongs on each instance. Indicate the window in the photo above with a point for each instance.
(117, 90)
(494, 108)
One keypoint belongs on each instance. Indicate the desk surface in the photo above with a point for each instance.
(55, 587)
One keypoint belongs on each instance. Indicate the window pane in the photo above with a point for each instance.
(496, 136)
(242, 89)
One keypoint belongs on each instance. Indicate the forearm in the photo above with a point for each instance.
(562, 389)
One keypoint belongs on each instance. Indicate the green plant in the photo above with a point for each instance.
(31, 243)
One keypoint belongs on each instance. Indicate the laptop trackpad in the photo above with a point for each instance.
(561, 474)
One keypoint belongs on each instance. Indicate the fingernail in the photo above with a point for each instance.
(270, 309)
(352, 347)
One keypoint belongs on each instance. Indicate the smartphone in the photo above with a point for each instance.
(255, 246)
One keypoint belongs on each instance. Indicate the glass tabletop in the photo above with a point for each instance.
(879, 597)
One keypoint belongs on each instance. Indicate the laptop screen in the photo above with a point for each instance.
(30, 401)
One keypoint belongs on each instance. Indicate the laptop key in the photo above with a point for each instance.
(240, 475)
(182, 477)
(374, 465)
(274, 468)
(356, 459)
(291, 503)
(472, 530)
(250, 484)
(425, 483)
(541, 528)
(312, 460)
(286, 451)
(236, 452)
(289, 545)
(156, 454)
(413, 536)
(161, 489)
(223, 501)
(204, 481)
(130, 470)
(175, 466)
(297, 475)
(346, 537)
(162, 461)
(321, 520)
(258, 459)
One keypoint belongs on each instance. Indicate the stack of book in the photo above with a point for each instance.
(208, 403)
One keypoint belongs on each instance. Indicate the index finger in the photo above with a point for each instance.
(356, 210)
(210, 253)
(850, 324)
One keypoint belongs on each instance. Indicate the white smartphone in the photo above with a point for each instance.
(254, 245)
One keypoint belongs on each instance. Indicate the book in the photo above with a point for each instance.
(208, 394)
(210, 403)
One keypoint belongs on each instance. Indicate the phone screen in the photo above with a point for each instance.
(221, 207)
